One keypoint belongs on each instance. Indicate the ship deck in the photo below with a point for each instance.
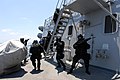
(49, 72)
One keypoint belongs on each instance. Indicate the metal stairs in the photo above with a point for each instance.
(60, 26)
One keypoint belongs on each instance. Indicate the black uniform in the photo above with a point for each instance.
(60, 49)
(25, 43)
(81, 47)
(55, 18)
(36, 50)
(47, 40)
(56, 14)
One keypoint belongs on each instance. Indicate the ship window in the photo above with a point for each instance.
(110, 24)
(70, 30)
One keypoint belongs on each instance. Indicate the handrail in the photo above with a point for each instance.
(57, 3)
(69, 2)
(54, 31)
(48, 21)
(61, 3)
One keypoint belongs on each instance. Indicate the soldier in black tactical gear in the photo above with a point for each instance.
(56, 14)
(60, 49)
(55, 18)
(36, 50)
(25, 43)
(47, 40)
(81, 47)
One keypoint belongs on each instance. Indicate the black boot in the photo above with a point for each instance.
(64, 68)
(71, 70)
(58, 66)
(87, 72)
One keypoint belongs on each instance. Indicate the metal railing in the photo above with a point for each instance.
(61, 3)
(49, 21)
(69, 2)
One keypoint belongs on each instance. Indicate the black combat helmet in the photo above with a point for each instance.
(35, 42)
(57, 10)
(80, 36)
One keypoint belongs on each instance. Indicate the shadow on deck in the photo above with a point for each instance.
(16, 74)
(49, 73)
(96, 73)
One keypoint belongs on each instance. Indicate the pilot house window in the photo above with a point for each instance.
(110, 24)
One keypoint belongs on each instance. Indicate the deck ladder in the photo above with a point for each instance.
(64, 16)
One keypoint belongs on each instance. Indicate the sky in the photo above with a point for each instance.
(21, 18)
